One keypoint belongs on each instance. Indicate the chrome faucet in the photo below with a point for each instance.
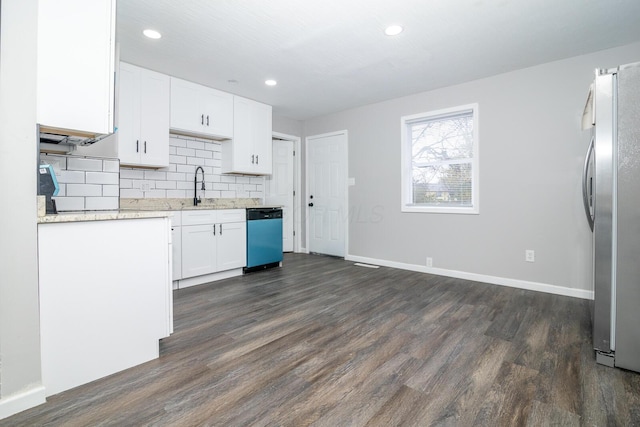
(196, 199)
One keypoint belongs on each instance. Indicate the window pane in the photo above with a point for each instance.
(442, 139)
(448, 184)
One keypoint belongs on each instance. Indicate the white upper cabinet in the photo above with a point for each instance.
(143, 117)
(250, 151)
(75, 83)
(200, 110)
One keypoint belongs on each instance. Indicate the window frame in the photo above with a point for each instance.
(407, 204)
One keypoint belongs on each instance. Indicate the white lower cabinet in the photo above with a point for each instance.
(213, 241)
(199, 250)
(232, 244)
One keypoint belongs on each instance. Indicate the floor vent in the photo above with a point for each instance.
(359, 264)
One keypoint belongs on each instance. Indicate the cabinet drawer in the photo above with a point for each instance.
(199, 217)
(232, 215)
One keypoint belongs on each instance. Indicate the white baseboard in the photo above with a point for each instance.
(207, 278)
(22, 401)
(502, 281)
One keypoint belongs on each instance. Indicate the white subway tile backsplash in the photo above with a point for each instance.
(102, 178)
(185, 168)
(111, 166)
(71, 177)
(197, 145)
(176, 176)
(102, 203)
(177, 194)
(84, 190)
(189, 152)
(179, 160)
(166, 185)
(176, 181)
(84, 164)
(131, 193)
(111, 190)
(84, 178)
(131, 173)
(69, 203)
(155, 175)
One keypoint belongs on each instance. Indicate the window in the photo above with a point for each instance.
(440, 161)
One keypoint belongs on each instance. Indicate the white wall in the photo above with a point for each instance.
(20, 376)
(531, 154)
(287, 125)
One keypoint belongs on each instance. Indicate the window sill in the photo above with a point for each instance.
(441, 210)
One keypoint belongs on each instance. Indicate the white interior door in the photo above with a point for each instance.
(326, 196)
(279, 188)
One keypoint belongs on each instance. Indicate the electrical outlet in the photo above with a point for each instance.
(530, 255)
(429, 262)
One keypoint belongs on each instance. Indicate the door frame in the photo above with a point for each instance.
(297, 185)
(345, 183)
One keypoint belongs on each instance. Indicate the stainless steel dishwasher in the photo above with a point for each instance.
(264, 238)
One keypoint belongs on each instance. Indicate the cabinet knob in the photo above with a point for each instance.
(310, 204)
(253, 159)
(207, 120)
(256, 159)
(137, 145)
(202, 119)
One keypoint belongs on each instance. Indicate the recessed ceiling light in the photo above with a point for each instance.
(393, 30)
(152, 34)
(270, 82)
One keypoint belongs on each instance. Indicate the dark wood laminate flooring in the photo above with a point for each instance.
(325, 343)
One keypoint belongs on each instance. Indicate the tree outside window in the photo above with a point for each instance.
(439, 158)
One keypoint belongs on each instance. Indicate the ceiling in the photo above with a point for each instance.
(331, 55)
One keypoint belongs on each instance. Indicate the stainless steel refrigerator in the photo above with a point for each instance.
(611, 191)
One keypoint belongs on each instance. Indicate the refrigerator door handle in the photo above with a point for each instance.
(585, 184)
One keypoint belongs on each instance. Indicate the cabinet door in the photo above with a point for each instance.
(128, 114)
(198, 250)
(185, 114)
(242, 157)
(261, 128)
(250, 150)
(76, 61)
(154, 118)
(217, 107)
(232, 245)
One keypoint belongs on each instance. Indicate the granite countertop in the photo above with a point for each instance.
(99, 216)
(186, 204)
(146, 208)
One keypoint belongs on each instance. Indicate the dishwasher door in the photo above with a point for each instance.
(264, 237)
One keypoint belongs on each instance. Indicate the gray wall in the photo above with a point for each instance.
(19, 321)
(531, 154)
(287, 125)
